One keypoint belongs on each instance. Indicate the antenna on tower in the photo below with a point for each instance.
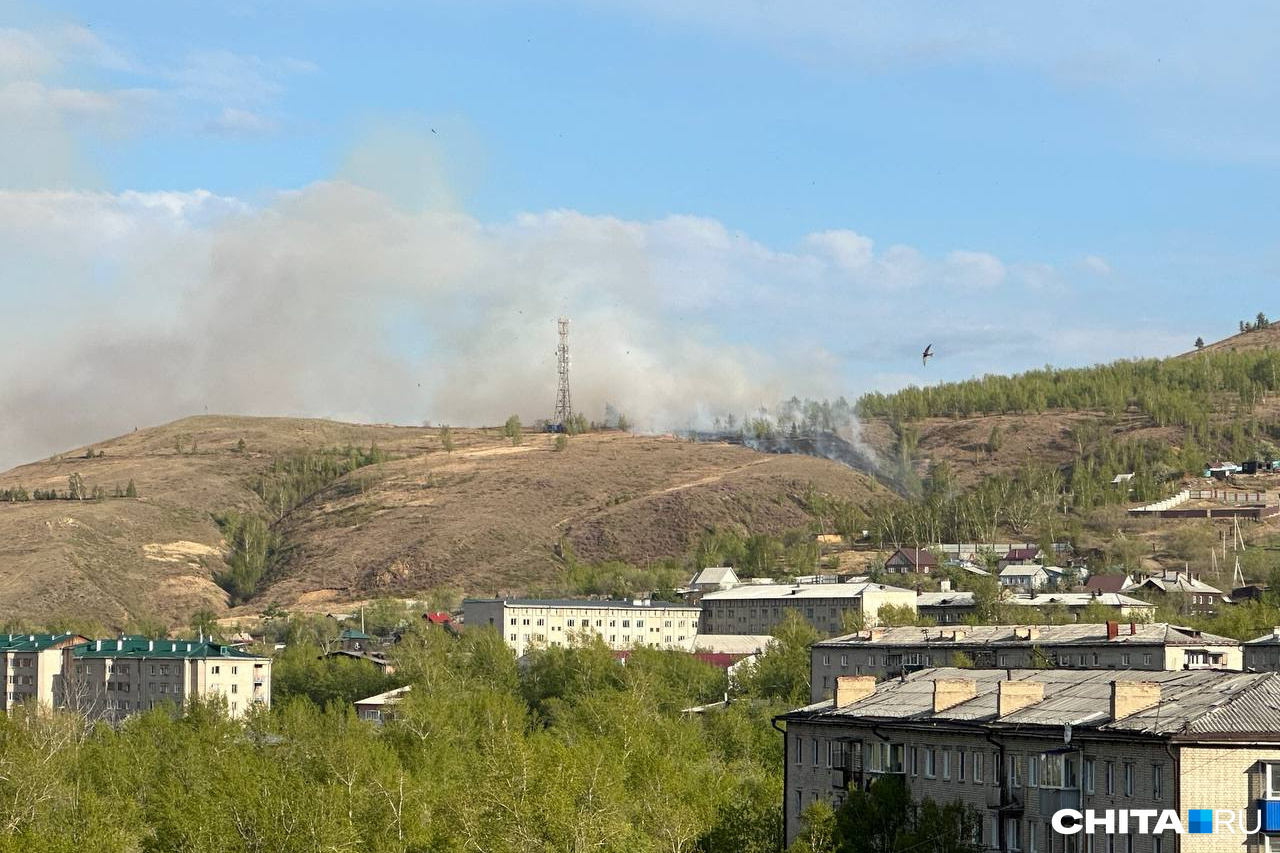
(564, 406)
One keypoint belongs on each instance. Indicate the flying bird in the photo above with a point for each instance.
(926, 355)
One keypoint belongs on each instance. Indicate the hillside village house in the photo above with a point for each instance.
(1024, 578)
(890, 652)
(946, 607)
(907, 561)
(1019, 744)
(380, 708)
(1201, 598)
(31, 668)
(759, 608)
(111, 679)
(1021, 556)
(528, 623)
(714, 578)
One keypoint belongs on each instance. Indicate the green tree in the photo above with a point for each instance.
(131, 490)
(513, 430)
(561, 443)
(782, 673)
(75, 487)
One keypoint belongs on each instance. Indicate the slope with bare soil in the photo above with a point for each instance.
(487, 517)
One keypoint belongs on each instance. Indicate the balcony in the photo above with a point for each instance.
(1269, 810)
(1004, 800)
(1053, 799)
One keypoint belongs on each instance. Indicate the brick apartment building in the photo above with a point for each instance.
(1017, 745)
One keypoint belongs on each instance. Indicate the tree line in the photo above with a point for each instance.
(77, 490)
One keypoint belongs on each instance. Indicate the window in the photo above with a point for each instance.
(844, 660)
(977, 766)
(830, 744)
(569, 623)
(1088, 775)
(513, 621)
(1032, 826)
(542, 621)
(799, 750)
(799, 801)
(1013, 833)
(1157, 781)
(960, 756)
(1271, 781)
(1014, 774)
(1146, 660)
(1124, 660)
(928, 763)
(1157, 844)
(1110, 778)
(813, 742)
(1128, 779)
(826, 660)
(915, 761)
(946, 764)
(1033, 771)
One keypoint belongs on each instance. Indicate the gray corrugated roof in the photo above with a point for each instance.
(1197, 702)
(1147, 634)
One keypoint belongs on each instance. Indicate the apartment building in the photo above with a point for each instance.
(758, 608)
(111, 679)
(31, 668)
(1017, 745)
(890, 652)
(527, 623)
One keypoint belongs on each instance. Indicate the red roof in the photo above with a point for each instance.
(1105, 583)
(1022, 555)
(723, 660)
(438, 617)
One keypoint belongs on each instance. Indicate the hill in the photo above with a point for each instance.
(1267, 337)
(485, 518)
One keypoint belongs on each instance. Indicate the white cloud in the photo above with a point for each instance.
(1096, 265)
(237, 122)
(974, 270)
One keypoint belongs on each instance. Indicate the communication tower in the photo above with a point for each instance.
(564, 407)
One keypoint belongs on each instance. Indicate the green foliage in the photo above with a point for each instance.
(562, 442)
(885, 819)
(252, 545)
(900, 616)
(301, 670)
(294, 479)
(513, 430)
(131, 490)
(782, 672)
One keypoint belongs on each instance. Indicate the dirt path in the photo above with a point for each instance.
(701, 481)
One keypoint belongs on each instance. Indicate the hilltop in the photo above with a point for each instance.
(486, 518)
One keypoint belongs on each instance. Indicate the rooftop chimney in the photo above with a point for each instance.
(1026, 632)
(1133, 628)
(1113, 629)
(949, 692)
(853, 688)
(1015, 695)
(1130, 697)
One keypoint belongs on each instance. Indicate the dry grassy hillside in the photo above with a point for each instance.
(1268, 338)
(485, 518)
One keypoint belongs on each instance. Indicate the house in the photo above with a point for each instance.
(890, 652)
(1018, 745)
(759, 608)
(352, 640)
(911, 561)
(714, 578)
(528, 623)
(373, 658)
(1026, 578)
(1201, 598)
(1021, 556)
(378, 709)
(441, 619)
(1107, 583)
(1249, 592)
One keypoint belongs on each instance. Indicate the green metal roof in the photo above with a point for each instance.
(34, 642)
(353, 634)
(143, 647)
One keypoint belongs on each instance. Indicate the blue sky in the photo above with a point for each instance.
(753, 198)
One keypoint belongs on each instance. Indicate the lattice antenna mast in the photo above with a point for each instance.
(564, 405)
